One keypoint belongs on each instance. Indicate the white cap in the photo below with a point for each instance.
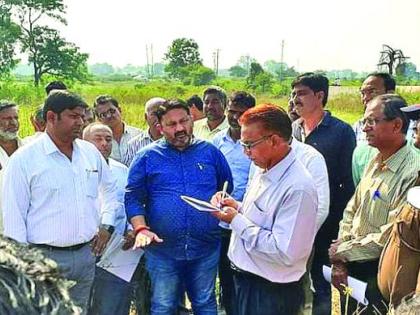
(413, 197)
(412, 111)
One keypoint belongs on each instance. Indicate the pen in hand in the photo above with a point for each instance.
(225, 186)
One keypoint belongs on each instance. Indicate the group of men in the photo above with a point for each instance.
(285, 190)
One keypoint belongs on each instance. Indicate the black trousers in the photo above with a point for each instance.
(257, 296)
(367, 272)
(227, 297)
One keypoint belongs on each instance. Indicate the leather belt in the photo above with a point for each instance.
(66, 248)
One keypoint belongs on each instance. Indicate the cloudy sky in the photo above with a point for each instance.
(318, 34)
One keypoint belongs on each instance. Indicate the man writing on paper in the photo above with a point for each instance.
(274, 228)
(183, 244)
(382, 189)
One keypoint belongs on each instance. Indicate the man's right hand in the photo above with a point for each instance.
(218, 201)
(145, 237)
(339, 276)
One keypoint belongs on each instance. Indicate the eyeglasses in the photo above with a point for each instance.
(372, 122)
(108, 113)
(371, 91)
(249, 145)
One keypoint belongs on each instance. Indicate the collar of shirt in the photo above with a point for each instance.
(50, 147)
(166, 144)
(275, 173)
(395, 161)
(325, 122)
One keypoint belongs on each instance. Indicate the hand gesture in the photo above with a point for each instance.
(145, 237)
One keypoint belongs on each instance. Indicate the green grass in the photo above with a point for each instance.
(344, 102)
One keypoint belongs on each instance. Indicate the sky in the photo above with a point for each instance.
(317, 34)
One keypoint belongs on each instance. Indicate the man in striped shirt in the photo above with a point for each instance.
(146, 136)
(364, 228)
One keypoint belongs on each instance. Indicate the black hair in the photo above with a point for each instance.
(242, 99)
(55, 85)
(197, 101)
(103, 99)
(316, 82)
(218, 91)
(60, 100)
(389, 81)
(170, 105)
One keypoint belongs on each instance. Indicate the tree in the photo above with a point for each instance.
(245, 62)
(238, 71)
(264, 82)
(182, 53)
(9, 34)
(199, 75)
(101, 69)
(391, 58)
(47, 51)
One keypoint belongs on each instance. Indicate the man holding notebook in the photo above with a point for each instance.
(182, 243)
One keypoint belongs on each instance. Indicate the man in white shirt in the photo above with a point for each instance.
(274, 228)
(9, 140)
(109, 112)
(110, 294)
(51, 189)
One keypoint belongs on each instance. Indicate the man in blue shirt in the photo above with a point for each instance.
(183, 249)
(228, 142)
(335, 140)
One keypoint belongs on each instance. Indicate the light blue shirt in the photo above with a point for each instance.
(238, 161)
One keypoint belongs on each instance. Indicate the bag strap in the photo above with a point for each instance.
(399, 231)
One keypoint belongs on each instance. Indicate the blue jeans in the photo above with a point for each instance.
(169, 277)
(110, 294)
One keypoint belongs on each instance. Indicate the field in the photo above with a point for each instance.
(344, 102)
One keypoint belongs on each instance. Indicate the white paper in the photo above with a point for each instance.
(358, 287)
(200, 204)
(117, 261)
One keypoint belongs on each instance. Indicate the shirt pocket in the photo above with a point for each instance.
(259, 216)
(92, 183)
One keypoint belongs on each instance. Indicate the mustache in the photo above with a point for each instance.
(180, 133)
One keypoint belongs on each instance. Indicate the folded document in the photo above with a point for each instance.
(200, 204)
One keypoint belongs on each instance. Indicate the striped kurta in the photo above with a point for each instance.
(370, 212)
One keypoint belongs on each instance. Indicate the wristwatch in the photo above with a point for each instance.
(107, 227)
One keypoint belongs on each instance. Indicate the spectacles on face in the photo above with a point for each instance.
(372, 122)
(251, 144)
(110, 112)
(369, 91)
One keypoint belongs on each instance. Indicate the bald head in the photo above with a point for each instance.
(152, 104)
(101, 136)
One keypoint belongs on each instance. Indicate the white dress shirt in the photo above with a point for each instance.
(51, 200)
(316, 166)
(4, 160)
(273, 234)
(120, 171)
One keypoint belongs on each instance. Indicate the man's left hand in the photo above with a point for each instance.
(99, 241)
(226, 215)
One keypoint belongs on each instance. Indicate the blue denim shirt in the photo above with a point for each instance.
(157, 178)
(335, 140)
(238, 161)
